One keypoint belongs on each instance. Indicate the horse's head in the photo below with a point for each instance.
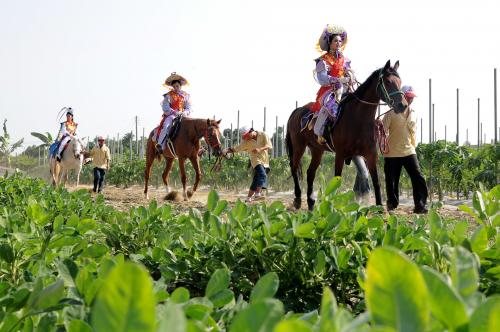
(212, 136)
(77, 147)
(389, 87)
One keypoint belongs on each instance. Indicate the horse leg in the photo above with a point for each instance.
(372, 167)
(195, 161)
(362, 183)
(150, 157)
(311, 174)
(182, 167)
(339, 163)
(295, 167)
(166, 172)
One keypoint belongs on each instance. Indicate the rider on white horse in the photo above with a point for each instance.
(66, 132)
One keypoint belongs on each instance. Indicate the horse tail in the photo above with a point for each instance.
(289, 152)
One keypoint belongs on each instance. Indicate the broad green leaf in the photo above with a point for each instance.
(320, 262)
(464, 273)
(305, 230)
(171, 318)
(390, 299)
(48, 297)
(125, 302)
(479, 240)
(95, 251)
(327, 311)
(221, 206)
(212, 200)
(333, 185)
(218, 282)
(180, 295)
(260, 316)
(486, 317)
(266, 287)
(222, 298)
(445, 303)
(293, 325)
(198, 308)
(77, 325)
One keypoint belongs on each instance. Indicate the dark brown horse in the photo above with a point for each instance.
(353, 135)
(186, 146)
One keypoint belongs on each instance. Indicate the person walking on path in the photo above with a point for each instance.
(101, 157)
(401, 129)
(257, 144)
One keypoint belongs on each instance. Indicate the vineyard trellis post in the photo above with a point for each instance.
(478, 122)
(430, 111)
(458, 118)
(238, 127)
(136, 138)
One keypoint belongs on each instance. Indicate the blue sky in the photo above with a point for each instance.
(108, 59)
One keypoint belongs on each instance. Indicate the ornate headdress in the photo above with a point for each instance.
(329, 31)
(175, 77)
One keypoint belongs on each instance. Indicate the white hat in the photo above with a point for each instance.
(408, 91)
(244, 130)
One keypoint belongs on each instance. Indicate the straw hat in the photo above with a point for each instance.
(175, 77)
(328, 31)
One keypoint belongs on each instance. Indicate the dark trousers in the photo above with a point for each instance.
(392, 170)
(259, 177)
(99, 174)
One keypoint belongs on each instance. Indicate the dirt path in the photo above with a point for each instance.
(125, 198)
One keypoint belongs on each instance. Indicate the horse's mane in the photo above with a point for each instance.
(364, 86)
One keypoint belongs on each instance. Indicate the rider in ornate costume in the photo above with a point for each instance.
(174, 102)
(333, 72)
(66, 132)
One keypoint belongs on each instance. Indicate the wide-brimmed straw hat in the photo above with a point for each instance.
(175, 77)
(328, 31)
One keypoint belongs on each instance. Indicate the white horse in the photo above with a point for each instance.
(71, 158)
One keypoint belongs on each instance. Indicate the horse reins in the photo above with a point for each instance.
(380, 133)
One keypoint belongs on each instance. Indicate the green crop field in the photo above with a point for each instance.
(69, 262)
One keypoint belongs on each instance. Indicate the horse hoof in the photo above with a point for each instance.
(190, 193)
(146, 195)
(297, 202)
(310, 203)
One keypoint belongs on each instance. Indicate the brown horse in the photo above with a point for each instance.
(186, 146)
(354, 133)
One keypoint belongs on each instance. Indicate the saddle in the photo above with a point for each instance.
(172, 135)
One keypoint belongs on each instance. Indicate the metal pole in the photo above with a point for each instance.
(458, 122)
(467, 135)
(136, 138)
(130, 144)
(276, 139)
(478, 122)
(238, 126)
(495, 102)
(232, 134)
(296, 104)
(39, 160)
(433, 125)
(430, 110)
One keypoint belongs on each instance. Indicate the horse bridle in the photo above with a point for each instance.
(386, 96)
(209, 138)
(385, 93)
